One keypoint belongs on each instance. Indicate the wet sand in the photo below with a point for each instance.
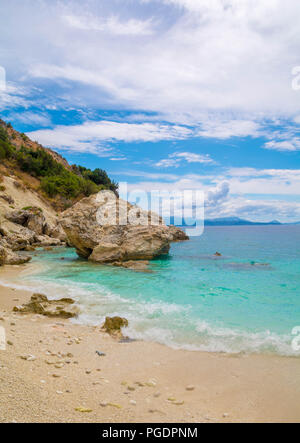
(65, 380)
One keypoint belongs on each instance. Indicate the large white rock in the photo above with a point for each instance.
(107, 230)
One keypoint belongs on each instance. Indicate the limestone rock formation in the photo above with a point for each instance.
(39, 304)
(33, 219)
(104, 229)
(8, 257)
(27, 221)
(25, 229)
(177, 234)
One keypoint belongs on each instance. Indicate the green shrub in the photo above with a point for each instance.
(97, 176)
(2, 153)
(3, 134)
(55, 178)
(6, 149)
(24, 137)
(35, 209)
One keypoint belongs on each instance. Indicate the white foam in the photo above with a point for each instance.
(159, 321)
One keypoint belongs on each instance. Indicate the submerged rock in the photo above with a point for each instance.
(39, 304)
(141, 265)
(108, 230)
(113, 325)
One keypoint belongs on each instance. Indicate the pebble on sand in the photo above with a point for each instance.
(28, 357)
(103, 404)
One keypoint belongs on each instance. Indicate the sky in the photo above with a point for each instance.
(167, 95)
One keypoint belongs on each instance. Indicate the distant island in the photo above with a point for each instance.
(236, 221)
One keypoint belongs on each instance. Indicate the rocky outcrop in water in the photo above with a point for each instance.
(39, 304)
(177, 234)
(110, 230)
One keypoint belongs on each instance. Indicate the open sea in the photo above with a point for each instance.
(247, 300)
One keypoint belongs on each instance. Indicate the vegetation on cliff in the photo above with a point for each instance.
(56, 178)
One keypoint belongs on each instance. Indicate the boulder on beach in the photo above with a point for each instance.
(8, 257)
(109, 230)
(113, 326)
(39, 304)
(31, 217)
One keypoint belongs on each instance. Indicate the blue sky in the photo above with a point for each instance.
(168, 94)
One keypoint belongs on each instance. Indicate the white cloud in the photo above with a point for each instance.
(90, 136)
(175, 159)
(14, 96)
(219, 194)
(118, 159)
(241, 181)
(264, 181)
(112, 25)
(209, 68)
(29, 118)
(215, 128)
(209, 56)
(257, 210)
(220, 203)
(228, 194)
(286, 145)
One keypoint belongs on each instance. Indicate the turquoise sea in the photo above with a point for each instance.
(246, 300)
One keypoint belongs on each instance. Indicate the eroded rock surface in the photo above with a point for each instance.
(104, 233)
(114, 325)
(25, 229)
(39, 304)
(8, 257)
(34, 220)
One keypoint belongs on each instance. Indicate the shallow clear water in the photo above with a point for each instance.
(247, 300)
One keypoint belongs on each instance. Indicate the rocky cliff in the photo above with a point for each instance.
(33, 179)
(26, 221)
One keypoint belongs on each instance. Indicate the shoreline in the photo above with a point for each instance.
(119, 387)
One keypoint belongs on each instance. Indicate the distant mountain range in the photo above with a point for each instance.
(236, 221)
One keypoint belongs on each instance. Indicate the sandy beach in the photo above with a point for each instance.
(65, 380)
